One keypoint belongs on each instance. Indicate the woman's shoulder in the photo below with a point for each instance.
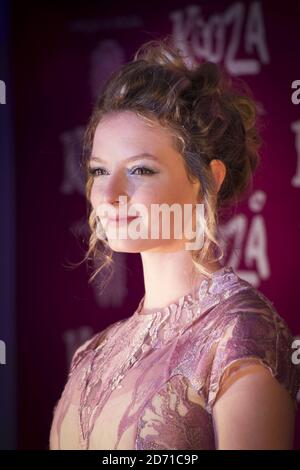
(247, 327)
(240, 302)
(238, 326)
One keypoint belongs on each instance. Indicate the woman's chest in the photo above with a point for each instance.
(147, 410)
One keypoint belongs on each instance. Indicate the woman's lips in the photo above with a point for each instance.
(122, 220)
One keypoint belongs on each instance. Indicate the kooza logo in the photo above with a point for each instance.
(2, 92)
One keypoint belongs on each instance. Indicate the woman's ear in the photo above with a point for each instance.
(219, 172)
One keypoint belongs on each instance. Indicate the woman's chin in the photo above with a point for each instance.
(128, 246)
(142, 245)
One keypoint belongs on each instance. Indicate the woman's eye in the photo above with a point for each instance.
(144, 169)
(94, 171)
(139, 171)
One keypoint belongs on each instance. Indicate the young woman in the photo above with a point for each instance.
(205, 360)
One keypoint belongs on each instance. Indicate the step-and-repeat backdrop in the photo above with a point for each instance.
(60, 58)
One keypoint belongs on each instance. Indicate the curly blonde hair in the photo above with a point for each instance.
(208, 116)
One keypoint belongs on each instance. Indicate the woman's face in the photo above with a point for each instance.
(120, 169)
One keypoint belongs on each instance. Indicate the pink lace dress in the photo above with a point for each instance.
(150, 380)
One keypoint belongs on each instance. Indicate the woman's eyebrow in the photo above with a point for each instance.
(134, 157)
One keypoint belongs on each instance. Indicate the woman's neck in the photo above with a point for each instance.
(168, 276)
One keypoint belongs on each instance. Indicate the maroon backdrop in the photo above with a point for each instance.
(61, 57)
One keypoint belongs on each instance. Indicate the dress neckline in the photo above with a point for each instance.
(189, 297)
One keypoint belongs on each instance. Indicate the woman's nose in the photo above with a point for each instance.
(114, 187)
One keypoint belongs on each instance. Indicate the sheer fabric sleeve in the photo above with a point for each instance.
(254, 338)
